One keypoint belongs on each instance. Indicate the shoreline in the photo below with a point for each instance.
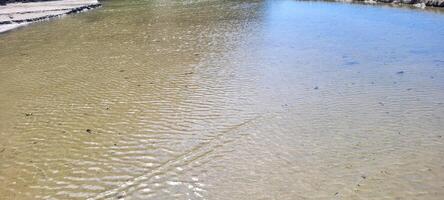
(24, 12)
(15, 15)
(416, 3)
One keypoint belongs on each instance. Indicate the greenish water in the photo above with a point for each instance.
(224, 100)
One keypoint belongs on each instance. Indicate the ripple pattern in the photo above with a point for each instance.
(224, 100)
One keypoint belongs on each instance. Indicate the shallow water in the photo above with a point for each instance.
(224, 100)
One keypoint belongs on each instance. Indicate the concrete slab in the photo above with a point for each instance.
(15, 15)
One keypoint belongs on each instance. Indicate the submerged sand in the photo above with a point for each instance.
(210, 99)
(19, 14)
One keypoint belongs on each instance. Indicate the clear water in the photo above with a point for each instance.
(224, 100)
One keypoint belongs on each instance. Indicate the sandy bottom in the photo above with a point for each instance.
(216, 100)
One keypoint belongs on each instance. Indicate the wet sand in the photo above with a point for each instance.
(15, 15)
(224, 100)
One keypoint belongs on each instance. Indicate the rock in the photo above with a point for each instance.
(88, 130)
(420, 5)
(407, 1)
(417, 3)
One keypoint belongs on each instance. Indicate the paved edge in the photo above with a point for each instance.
(6, 26)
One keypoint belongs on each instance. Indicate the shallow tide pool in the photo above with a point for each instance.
(204, 99)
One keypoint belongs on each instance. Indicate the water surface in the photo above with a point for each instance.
(224, 100)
